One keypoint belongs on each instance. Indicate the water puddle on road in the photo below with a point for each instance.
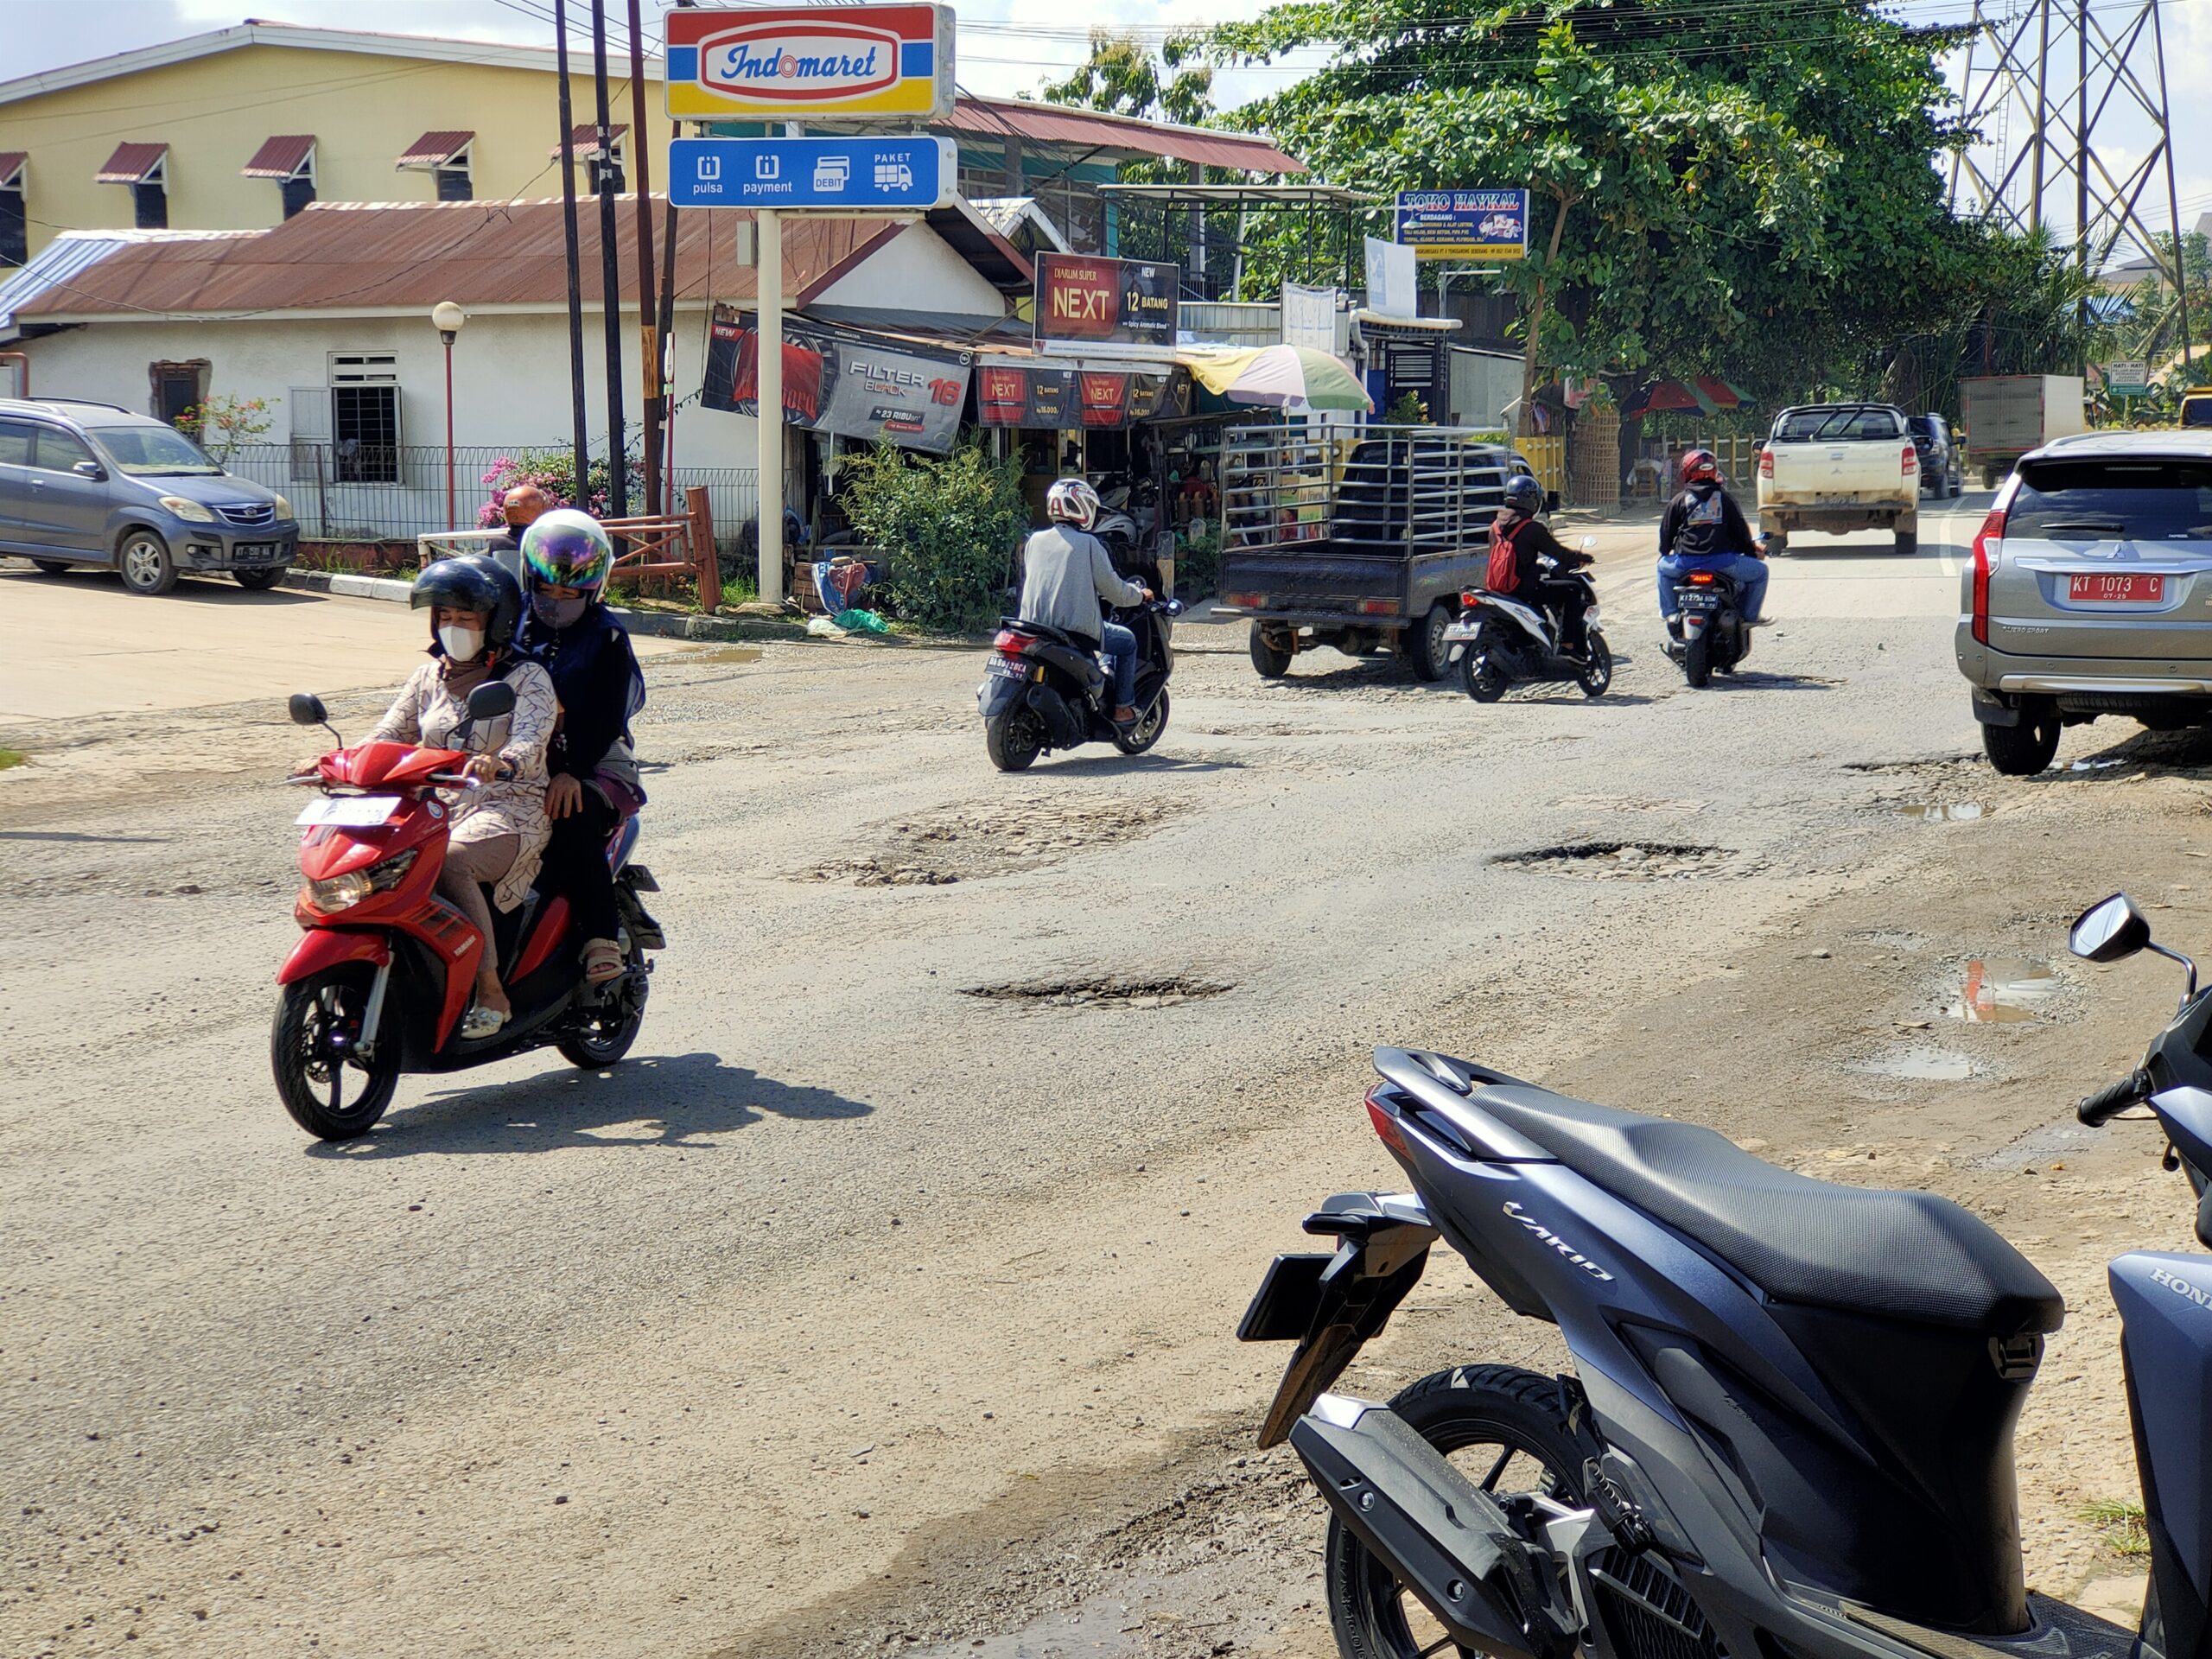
(2004, 991)
(726, 654)
(1915, 1065)
(1943, 811)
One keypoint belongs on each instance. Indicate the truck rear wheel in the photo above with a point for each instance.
(1423, 647)
(2024, 750)
(1269, 655)
(1778, 543)
(1908, 541)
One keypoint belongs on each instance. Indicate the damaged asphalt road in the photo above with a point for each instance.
(883, 1300)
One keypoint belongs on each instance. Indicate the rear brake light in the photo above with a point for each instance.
(1766, 463)
(1911, 459)
(1985, 560)
(1377, 606)
(1246, 602)
(1010, 643)
(1700, 578)
(1471, 597)
(1386, 1124)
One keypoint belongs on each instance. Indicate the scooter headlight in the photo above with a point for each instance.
(336, 893)
(1590, 618)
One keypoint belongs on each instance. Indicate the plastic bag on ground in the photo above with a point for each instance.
(863, 622)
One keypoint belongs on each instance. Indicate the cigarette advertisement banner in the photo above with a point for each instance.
(1084, 302)
(793, 63)
(841, 380)
(1062, 399)
(1464, 223)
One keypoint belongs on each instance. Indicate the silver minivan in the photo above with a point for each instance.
(2089, 592)
(85, 483)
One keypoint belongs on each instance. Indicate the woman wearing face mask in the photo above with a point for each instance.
(499, 827)
(594, 786)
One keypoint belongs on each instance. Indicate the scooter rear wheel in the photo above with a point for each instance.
(1485, 680)
(1013, 739)
(313, 1074)
(1697, 658)
(1504, 1428)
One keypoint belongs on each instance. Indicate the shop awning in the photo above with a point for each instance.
(11, 166)
(433, 149)
(280, 157)
(132, 163)
(1279, 376)
(585, 139)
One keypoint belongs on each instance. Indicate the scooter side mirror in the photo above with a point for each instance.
(491, 700)
(307, 710)
(2109, 932)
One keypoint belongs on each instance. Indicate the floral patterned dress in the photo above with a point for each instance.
(428, 713)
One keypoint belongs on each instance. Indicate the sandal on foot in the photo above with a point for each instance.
(602, 962)
(482, 1021)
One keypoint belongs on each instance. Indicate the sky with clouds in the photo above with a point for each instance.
(1005, 46)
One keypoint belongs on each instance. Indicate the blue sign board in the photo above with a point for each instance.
(863, 175)
(1464, 223)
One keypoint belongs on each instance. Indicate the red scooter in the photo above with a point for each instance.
(379, 981)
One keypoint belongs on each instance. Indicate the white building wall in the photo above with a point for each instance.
(918, 271)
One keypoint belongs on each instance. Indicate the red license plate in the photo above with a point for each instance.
(2102, 588)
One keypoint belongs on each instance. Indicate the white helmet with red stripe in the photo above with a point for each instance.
(1072, 501)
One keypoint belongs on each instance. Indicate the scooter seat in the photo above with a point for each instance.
(1893, 1255)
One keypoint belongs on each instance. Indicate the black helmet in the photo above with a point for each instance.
(478, 583)
(1525, 494)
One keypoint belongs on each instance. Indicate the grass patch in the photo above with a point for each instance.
(12, 757)
(2125, 1533)
(739, 590)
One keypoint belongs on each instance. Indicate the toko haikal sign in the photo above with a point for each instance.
(794, 63)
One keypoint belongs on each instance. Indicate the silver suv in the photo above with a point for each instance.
(2090, 592)
(85, 483)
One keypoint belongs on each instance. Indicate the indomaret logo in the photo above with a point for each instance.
(800, 62)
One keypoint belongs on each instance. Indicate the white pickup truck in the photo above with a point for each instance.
(1839, 467)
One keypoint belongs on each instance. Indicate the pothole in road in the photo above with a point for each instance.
(2005, 991)
(1940, 766)
(965, 842)
(1112, 991)
(1607, 861)
(1942, 811)
(1915, 1065)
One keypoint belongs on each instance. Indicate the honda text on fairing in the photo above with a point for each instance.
(1500, 641)
(382, 975)
(1787, 1433)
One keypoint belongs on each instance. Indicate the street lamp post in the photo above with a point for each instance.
(446, 318)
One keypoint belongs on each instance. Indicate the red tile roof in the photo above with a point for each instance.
(1054, 123)
(11, 162)
(130, 163)
(434, 148)
(279, 158)
(352, 258)
(585, 138)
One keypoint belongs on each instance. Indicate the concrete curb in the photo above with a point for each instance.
(661, 624)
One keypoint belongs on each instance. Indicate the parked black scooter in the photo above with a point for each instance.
(1044, 689)
(1709, 635)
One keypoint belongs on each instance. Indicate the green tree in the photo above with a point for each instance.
(1745, 189)
(952, 524)
(1123, 76)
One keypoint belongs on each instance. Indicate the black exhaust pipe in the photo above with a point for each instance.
(1443, 1537)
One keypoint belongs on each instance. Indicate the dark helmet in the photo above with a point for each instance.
(478, 583)
(1525, 494)
(1699, 467)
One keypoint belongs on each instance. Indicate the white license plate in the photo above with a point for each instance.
(349, 812)
(1462, 629)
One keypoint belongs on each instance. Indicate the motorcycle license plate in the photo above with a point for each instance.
(1006, 667)
(1462, 630)
(349, 812)
(2101, 587)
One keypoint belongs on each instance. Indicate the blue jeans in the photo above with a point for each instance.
(1121, 648)
(1750, 574)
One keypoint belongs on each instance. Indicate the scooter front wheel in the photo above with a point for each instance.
(611, 1030)
(1145, 731)
(1598, 675)
(318, 1019)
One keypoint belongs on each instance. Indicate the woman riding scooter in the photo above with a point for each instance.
(499, 825)
(593, 784)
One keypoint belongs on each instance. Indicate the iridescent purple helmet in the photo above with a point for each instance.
(566, 548)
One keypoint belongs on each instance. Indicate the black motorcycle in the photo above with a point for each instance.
(1044, 689)
(1500, 642)
(1708, 634)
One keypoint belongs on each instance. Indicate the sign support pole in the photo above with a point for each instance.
(769, 311)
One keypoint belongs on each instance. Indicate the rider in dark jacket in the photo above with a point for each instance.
(1530, 539)
(1703, 529)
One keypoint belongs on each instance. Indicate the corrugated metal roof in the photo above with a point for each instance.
(1120, 135)
(587, 139)
(434, 149)
(279, 158)
(11, 162)
(130, 163)
(58, 266)
(354, 257)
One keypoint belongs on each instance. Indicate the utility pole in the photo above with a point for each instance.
(582, 449)
(649, 346)
(618, 490)
(768, 410)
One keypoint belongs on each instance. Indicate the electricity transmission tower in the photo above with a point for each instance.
(2061, 91)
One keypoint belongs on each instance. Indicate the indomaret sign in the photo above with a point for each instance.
(789, 63)
(1128, 304)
